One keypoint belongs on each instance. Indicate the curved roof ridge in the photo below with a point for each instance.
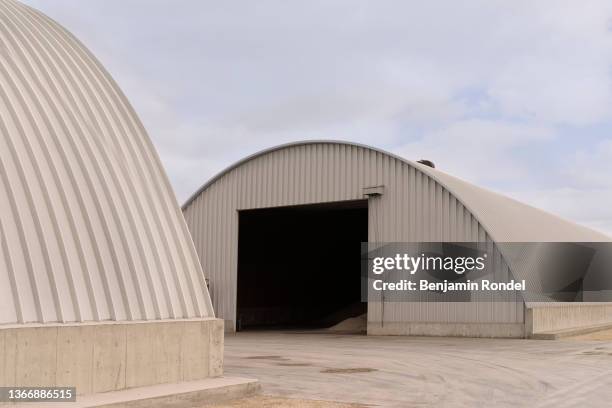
(485, 205)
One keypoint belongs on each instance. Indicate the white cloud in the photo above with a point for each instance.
(587, 207)
(592, 168)
(585, 195)
(491, 91)
(479, 150)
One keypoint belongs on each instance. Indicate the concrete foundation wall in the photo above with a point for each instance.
(230, 326)
(550, 317)
(109, 356)
(503, 330)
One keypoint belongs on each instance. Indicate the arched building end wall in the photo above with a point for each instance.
(413, 207)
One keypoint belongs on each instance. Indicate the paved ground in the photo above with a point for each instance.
(264, 401)
(424, 372)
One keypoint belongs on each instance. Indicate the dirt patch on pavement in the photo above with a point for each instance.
(348, 370)
(263, 401)
(278, 358)
(596, 353)
(604, 335)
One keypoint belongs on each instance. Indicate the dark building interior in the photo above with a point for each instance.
(299, 267)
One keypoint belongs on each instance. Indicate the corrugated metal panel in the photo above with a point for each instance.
(500, 215)
(414, 207)
(89, 225)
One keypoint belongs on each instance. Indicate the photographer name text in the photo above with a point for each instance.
(447, 286)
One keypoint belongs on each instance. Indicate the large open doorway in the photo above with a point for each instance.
(299, 266)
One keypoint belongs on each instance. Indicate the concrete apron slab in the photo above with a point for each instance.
(179, 395)
(451, 372)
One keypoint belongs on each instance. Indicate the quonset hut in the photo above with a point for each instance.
(100, 285)
(275, 230)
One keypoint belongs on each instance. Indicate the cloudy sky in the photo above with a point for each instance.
(512, 95)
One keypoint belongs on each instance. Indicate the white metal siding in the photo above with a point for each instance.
(89, 226)
(414, 207)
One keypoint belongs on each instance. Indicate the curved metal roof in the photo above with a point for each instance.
(89, 226)
(505, 219)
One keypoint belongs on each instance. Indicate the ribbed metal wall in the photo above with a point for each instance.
(414, 207)
(89, 226)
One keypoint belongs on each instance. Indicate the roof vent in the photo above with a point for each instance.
(427, 163)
